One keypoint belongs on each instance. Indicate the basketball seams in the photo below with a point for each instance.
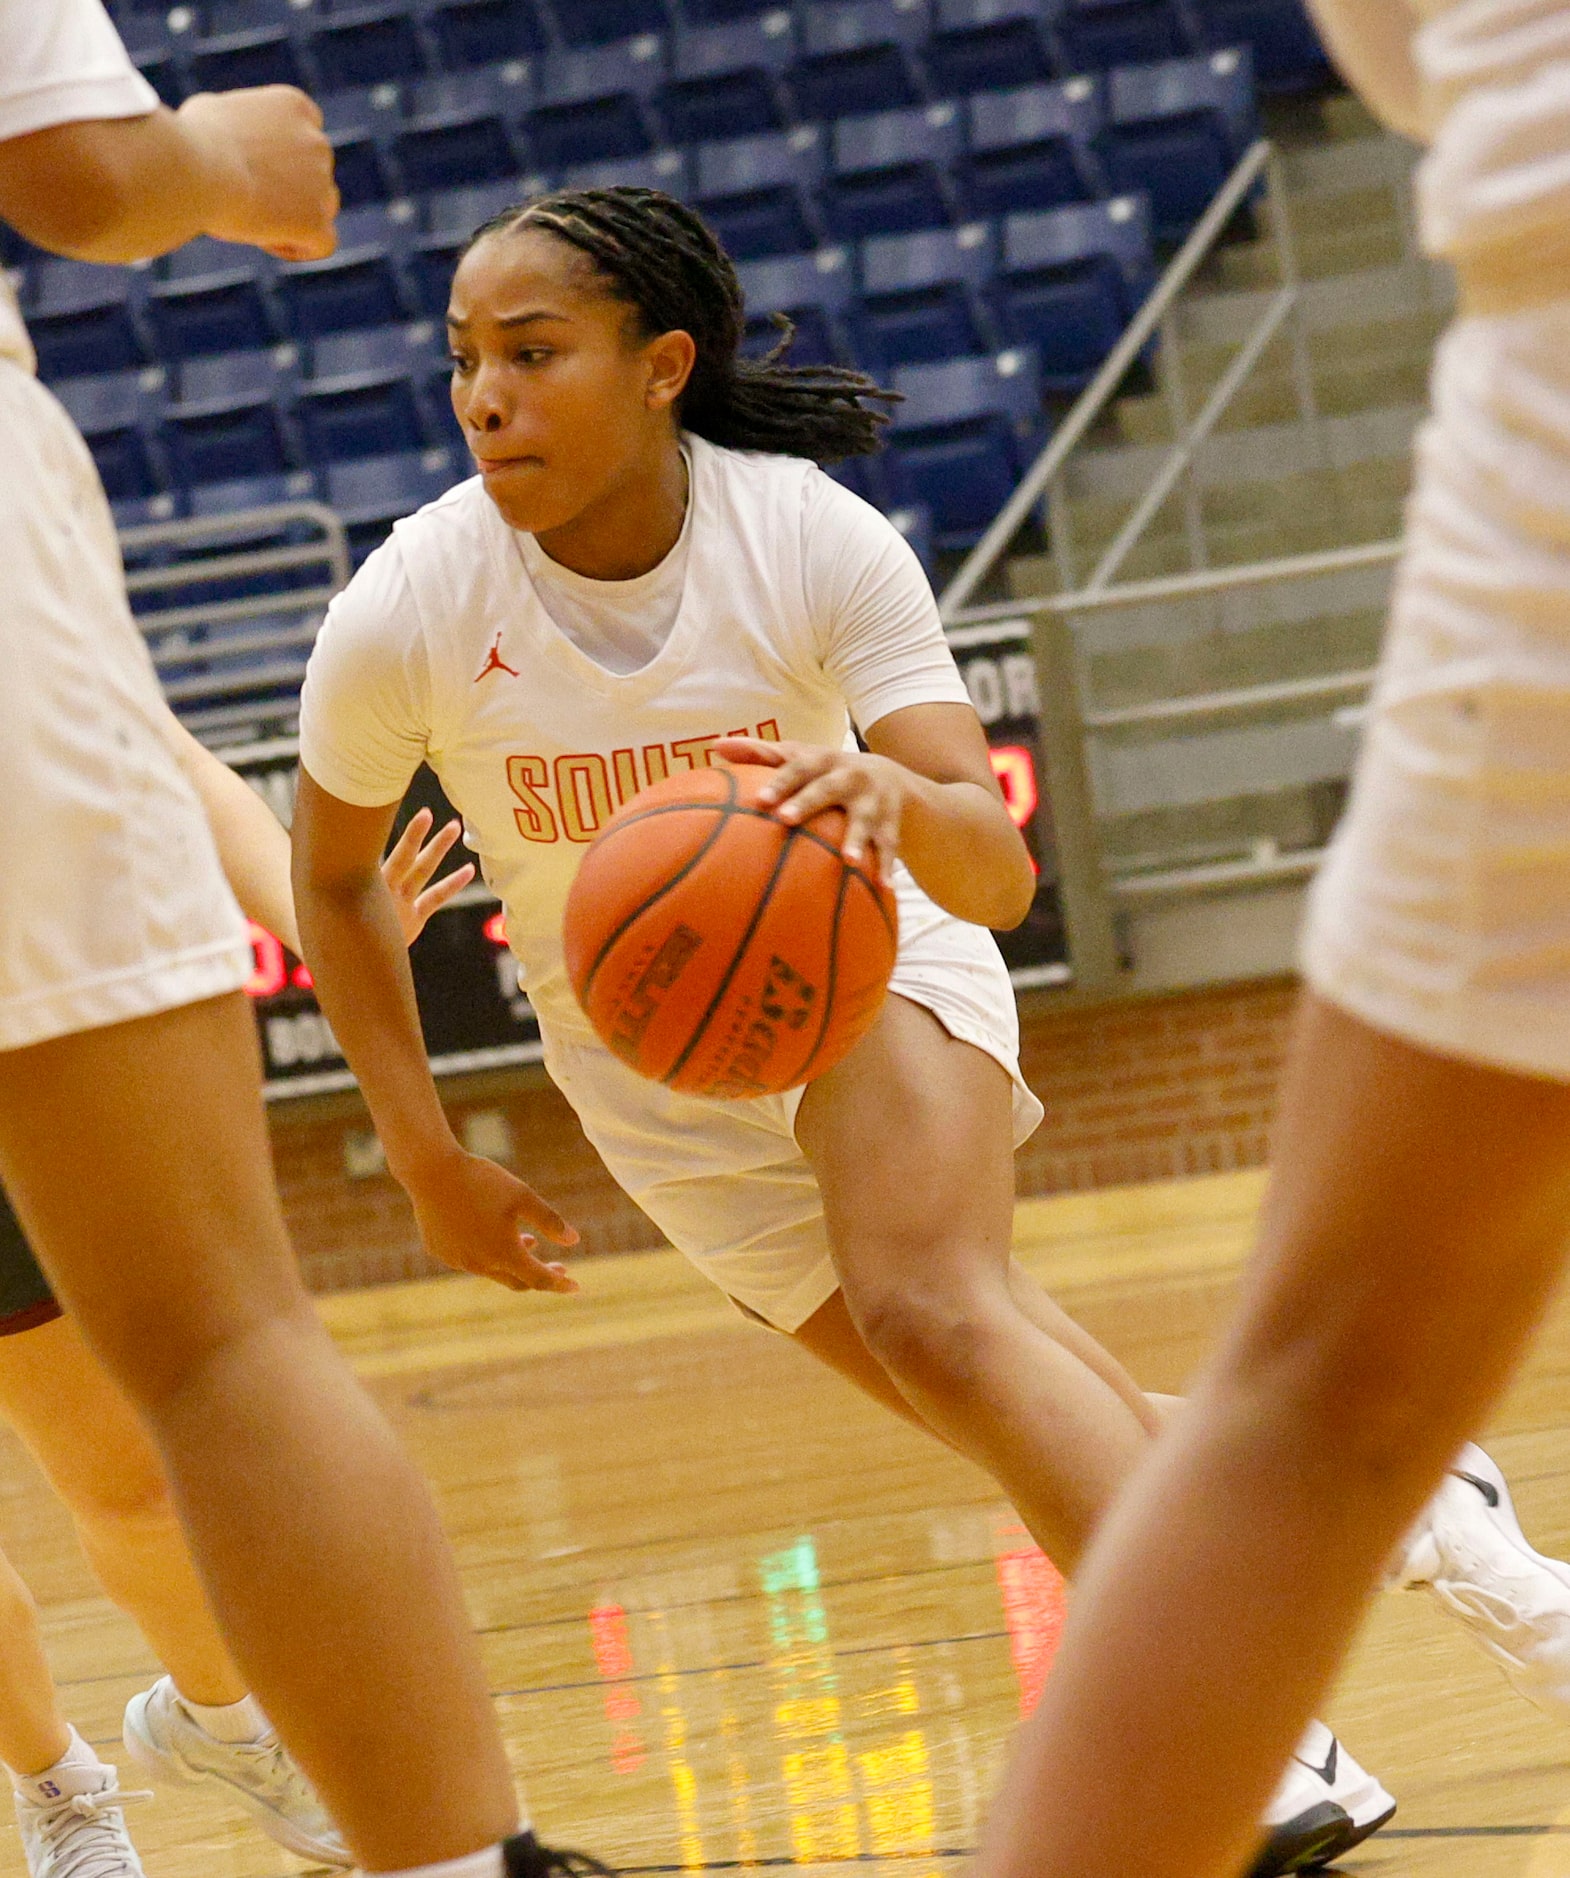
(833, 973)
(736, 957)
(722, 814)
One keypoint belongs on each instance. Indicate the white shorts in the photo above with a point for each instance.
(112, 902)
(1442, 913)
(726, 1182)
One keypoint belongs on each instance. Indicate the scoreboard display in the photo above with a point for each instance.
(472, 1012)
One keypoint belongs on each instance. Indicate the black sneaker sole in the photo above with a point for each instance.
(1313, 1840)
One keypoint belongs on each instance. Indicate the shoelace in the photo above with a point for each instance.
(277, 1773)
(74, 1829)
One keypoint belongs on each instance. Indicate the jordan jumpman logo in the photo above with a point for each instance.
(495, 662)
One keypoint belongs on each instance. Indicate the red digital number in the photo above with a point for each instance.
(271, 973)
(1015, 770)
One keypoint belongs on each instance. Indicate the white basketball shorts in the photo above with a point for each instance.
(725, 1181)
(1442, 913)
(112, 902)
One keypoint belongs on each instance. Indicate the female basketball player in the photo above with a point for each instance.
(199, 1724)
(1416, 1222)
(649, 563)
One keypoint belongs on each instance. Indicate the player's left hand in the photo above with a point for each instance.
(870, 789)
(409, 866)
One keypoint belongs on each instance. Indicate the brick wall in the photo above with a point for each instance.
(1135, 1090)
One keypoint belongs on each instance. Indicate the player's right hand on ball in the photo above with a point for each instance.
(478, 1218)
(271, 169)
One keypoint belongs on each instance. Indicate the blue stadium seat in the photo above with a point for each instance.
(117, 414)
(419, 346)
(459, 212)
(138, 511)
(596, 103)
(985, 45)
(600, 22)
(758, 192)
(664, 169)
(244, 16)
(1288, 55)
(965, 434)
(859, 56)
(216, 296)
(367, 45)
(1098, 34)
(460, 128)
(158, 51)
(864, 476)
(727, 81)
(722, 12)
(257, 56)
(233, 377)
(454, 216)
(366, 285)
(372, 493)
(894, 171)
(814, 291)
(484, 32)
(361, 124)
(227, 439)
(1175, 130)
(914, 522)
(1035, 147)
(924, 296)
(253, 492)
(1069, 282)
(373, 413)
(87, 319)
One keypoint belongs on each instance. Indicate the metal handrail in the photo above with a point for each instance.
(197, 528)
(1225, 703)
(1088, 406)
(1197, 585)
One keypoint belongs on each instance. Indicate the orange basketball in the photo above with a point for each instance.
(720, 950)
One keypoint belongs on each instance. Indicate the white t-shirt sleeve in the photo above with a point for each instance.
(365, 705)
(61, 62)
(878, 632)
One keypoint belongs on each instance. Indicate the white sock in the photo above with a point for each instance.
(79, 1759)
(234, 1722)
(483, 1864)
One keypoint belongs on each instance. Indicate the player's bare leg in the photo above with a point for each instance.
(911, 1140)
(96, 1455)
(137, 1158)
(1345, 1387)
(33, 1731)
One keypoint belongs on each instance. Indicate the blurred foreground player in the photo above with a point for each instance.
(131, 1131)
(1416, 1222)
(198, 1725)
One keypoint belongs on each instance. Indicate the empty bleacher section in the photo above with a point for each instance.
(969, 195)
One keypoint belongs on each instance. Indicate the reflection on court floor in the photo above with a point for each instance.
(735, 1616)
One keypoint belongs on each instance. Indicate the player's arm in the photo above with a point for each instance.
(253, 848)
(473, 1214)
(923, 790)
(251, 166)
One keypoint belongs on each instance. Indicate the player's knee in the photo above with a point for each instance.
(936, 1339)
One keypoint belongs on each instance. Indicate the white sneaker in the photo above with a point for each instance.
(169, 1745)
(72, 1825)
(1326, 1805)
(1468, 1549)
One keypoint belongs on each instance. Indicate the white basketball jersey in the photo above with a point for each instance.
(441, 649)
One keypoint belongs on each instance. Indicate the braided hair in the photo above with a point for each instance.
(662, 260)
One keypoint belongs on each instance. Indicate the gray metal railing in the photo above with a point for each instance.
(1092, 891)
(229, 606)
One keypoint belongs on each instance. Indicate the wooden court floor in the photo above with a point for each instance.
(734, 1615)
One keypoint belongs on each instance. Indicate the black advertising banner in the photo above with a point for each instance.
(1000, 674)
(472, 1012)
